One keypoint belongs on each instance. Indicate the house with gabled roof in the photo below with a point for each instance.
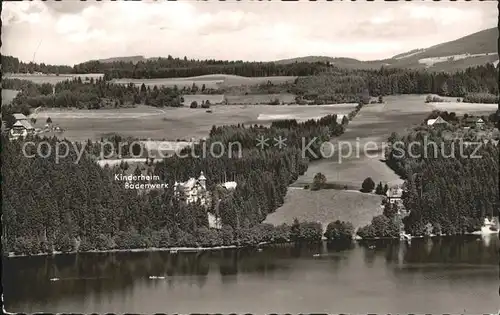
(21, 127)
(437, 121)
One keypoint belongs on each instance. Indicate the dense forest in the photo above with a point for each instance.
(168, 68)
(67, 205)
(13, 65)
(450, 187)
(340, 85)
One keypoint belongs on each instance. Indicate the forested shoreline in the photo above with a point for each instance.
(449, 190)
(69, 206)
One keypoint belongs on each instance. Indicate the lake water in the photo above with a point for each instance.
(447, 275)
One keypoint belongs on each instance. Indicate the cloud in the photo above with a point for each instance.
(252, 31)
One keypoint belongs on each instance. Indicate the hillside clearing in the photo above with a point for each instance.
(325, 206)
(50, 78)
(465, 108)
(8, 96)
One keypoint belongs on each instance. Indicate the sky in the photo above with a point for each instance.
(71, 32)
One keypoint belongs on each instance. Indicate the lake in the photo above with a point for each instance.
(444, 275)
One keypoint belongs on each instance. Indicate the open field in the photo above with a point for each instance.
(365, 136)
(213, 98)
(169, 123)
(8, 96)
(466, 108)
(287, 98)
(50, 78)
(325, 206)
(210, 81)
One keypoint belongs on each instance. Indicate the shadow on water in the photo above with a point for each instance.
(27, 280)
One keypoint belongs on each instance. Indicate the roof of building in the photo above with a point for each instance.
(230, 185)
(26, 124)
(19, 116)
(438, 120)
(202, 177)
(395, 192)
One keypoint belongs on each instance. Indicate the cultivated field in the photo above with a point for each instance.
(146, 122)
(50, 78)
(8, 96)
(365, 137)
(210, 81)
(286, 98)
(325, 206)
(466, 108)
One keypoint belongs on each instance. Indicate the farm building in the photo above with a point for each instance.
(394, 194)
(21, 128)
(436, 122)
(474, 122)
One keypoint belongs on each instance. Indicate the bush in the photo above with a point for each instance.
(184, 239)
(161, 239)
(194, 104)
(368, 185)
(227, 235)
(206, 104)
(339, 231)
(305, 232)
(380, 99)
(318, 181)
(26, 246)
(63, 244)
(208, 237)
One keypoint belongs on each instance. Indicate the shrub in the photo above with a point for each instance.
(227, 235)
(368, 185)
(63, 244)
(305, 232)
(206, 104)
(380, 99)
(161, 239)
(26, 246)
(208, 237)
(275, 101)
(184, 239)
(318, 181)
(339, 231)
(194, 104)
(381, 226)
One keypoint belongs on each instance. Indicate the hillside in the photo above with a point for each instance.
(132, 59)
(475, 49)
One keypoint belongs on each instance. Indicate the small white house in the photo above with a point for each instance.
(394, 194)
(437, 121)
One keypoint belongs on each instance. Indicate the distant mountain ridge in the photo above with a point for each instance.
(475, 49)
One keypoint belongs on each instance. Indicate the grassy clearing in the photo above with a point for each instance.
(51, 78)
(325, 206)
(366, 136)
(8, 96)
(210, 81)
(146, 122)
(465, 108)
(214, 99)
(286, 98)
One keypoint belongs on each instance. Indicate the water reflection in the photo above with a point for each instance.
(99, 281)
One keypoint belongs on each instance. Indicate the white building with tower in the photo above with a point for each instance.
(195, 190)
